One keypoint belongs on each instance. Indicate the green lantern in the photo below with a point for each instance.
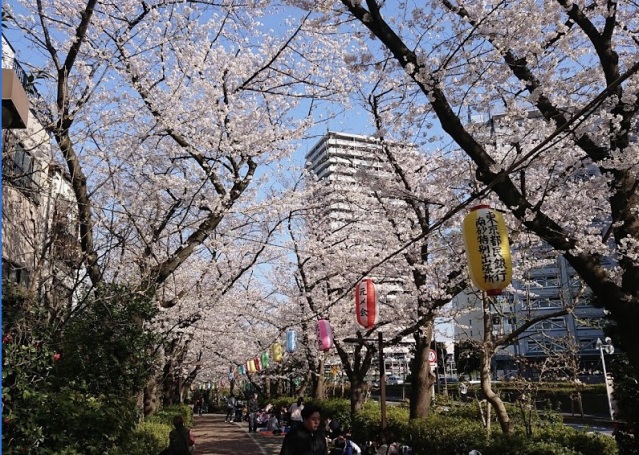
(265, 360)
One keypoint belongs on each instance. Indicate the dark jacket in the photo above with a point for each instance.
(300, 441)
(253, 405)
(179, 441)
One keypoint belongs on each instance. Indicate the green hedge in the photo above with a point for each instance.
(152, 435)
(459, 430)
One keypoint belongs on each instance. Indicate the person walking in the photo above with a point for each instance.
(253, 408)
(307, 438)
(295, 413)
(180, 439)
(230, 408)
(197, 407)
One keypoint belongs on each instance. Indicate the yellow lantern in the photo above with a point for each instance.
(276, 352)
(487, 248)
(250, 366)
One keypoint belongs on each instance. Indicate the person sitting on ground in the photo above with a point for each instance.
(387, 445)
(344, 446)
(273, 425)
(333, 428)
(180, 439)
(308, 438)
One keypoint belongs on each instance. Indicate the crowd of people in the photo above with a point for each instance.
(301, 425)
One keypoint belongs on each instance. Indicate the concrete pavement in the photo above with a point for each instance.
(214, 436)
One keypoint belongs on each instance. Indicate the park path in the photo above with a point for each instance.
(214, 436)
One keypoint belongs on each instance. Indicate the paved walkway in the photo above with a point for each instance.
(214, 436)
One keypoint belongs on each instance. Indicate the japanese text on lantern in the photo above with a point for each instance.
(363, 311)
(489, 239)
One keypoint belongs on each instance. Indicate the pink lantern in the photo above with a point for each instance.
(324, 335)
(366, 306)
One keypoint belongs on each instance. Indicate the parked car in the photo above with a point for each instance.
(394, 380)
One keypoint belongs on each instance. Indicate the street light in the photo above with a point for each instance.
(382, 372)
(607, 347)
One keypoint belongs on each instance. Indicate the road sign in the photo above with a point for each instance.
(432, 356)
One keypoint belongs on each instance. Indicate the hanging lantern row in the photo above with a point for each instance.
(488, 250)
(324, 335)
(366, 304)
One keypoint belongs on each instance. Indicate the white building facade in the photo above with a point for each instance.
(40, 239)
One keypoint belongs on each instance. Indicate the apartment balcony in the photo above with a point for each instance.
(15, 103)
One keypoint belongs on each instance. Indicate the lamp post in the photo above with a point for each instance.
(382, 372)
(607, 347)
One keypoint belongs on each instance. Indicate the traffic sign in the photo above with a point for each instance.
(432, 356)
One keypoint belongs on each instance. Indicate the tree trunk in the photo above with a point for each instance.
(359, 388)
(150, 400)
(318, 380)
(422, 378)
(486, 358)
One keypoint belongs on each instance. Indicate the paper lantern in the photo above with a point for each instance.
(250, 366)
(258, 364)
(487, 248)
(366, 305)
(276, 352)
(265, 360)
(291, 340)
(324, 335)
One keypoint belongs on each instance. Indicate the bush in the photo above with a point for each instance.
(459, 431)
(148, 438)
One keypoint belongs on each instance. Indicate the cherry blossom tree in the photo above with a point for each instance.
(169, 117)
(558, 82)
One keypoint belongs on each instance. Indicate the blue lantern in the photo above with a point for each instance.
(291, 340)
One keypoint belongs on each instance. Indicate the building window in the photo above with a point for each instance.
(20, 170)
(587, 344)
(544, 346)
(15, 274)
(546, 302)
(551, 324)
(545, 281)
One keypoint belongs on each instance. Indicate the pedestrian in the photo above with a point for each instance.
(230, 408)
(181, 441)
(253, 408)
(197, 407)
(307, 438)
(295, 413)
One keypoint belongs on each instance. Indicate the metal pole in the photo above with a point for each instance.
(382, 380)
(603, 363)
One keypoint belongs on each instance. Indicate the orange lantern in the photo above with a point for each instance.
(366, 307)
(488, 250)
